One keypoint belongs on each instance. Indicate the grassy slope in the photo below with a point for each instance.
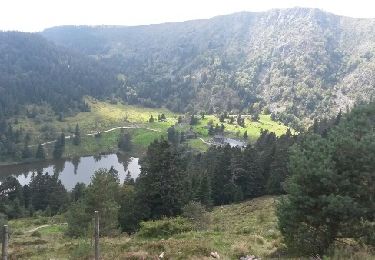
(234, 230)
(248, 228)
(104, 116)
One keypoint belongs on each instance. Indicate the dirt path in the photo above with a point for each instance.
(37, 228)
(105, 131)
(43, 226)
(200, 138)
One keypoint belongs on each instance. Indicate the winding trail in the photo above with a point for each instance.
(43, 226)
(205, 142)
(105, 131)
(37, 228)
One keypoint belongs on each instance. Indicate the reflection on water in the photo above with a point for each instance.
(234, 142)
(76, 170)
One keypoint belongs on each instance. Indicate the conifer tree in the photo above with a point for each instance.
(77, 136)
(204, 191)
(330, 185)
(160, 186)
(245, 135)
(40, 153)
(59, 147)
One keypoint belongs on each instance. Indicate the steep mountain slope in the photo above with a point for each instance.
(300, 63)
(33, 70)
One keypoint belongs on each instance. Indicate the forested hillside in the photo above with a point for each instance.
(35, 71)
(298, 63)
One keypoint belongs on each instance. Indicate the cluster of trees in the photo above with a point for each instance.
(328, 180)
(44, 193)
(161, 117)
(172, 176)
(15, 144)
(330, 194)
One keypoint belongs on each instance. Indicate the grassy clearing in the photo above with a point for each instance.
(233, 231)
(197, 144)
(248, 228)
(102, 116)
(253, 128)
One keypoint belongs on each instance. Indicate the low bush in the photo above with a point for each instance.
(197, 214)
(36, 234)
(165, 228)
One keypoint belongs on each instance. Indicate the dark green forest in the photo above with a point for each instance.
(34, 71)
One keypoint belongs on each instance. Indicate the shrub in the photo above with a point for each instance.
(78, 220)
(197, 214)
(82, 251)
(164, 228)
(36, 234)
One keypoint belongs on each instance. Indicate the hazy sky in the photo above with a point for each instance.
(35, 15)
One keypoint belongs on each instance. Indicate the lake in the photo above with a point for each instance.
(234, 143)
(75, 170)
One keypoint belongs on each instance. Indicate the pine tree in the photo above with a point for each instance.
(211, 130)
(77, 136)
(125, 142)
(59, 147)
(245, 135)
(103, 195)
(329, 186)
(40, 153)
(129, 214)
(26, 152)
(204, 192)
(160, 186)
(129, 179)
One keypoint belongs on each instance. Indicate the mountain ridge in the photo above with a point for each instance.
(299, 63)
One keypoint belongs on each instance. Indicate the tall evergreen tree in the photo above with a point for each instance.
(77, 136)
(40, 152)
(125, 142)
(59, 147)
(331, 188)
(160, 185)
(204, 191)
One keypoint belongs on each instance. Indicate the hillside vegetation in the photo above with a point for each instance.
(248, 228)
(233, 231)
(298, 63)
(36, 71)
(106, 118)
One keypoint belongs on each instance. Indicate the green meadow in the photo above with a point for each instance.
(105, 116)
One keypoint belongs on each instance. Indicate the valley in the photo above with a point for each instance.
(110, 120)
(243, 136)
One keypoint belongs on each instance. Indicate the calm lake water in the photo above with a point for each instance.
(76, 170)
(234, 143)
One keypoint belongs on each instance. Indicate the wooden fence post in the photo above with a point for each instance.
(96, 235)
(5, 243)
